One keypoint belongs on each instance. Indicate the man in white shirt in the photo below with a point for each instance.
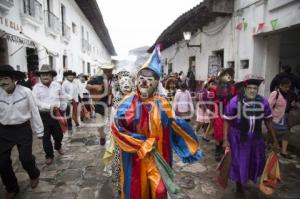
(71, 90)
(84, 97)
(51, 101)
(19, 117)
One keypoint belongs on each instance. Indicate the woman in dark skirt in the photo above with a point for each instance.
(243, 133)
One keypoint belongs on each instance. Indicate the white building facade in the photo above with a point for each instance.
(55, 32)
(259, 37)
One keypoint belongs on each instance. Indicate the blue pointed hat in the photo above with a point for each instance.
(153, 62)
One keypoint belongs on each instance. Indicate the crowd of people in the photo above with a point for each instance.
(144, 117)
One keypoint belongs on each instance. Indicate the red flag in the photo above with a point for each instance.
(61, 120)
(239, 26)
(260, 27)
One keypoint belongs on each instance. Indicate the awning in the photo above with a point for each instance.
(17, 39)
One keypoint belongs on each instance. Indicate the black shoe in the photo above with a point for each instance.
(205, 139)
(12, 195)
(102, 141)
(286, 156)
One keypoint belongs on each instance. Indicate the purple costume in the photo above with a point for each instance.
(246, 143)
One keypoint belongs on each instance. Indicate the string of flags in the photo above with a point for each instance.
(260, 27)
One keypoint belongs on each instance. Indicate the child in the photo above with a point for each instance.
(203, 111)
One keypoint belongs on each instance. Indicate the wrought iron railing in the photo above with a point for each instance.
(52, 21)
(66, 31)
(33, 8)
(8, 3)
(86, 46)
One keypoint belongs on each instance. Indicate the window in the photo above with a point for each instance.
(51, 61)
(74, 28)
(63, 15)
(192, 64)
(87, 36)
(88, 68)
(230, 64)
(82, 32)
(65, 62)
(83, 67)
(170, 68)
(28, 7)
(49, 5)
(245, 64)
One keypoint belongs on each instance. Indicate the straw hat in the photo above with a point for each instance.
(107, 66)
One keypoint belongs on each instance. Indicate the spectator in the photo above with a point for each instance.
(287, 73)
(183, 104)
(280, 101)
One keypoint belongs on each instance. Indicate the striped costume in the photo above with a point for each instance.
(137, 128)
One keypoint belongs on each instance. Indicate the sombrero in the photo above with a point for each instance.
(69, 72)
(46, 69)
(8, 70)
(250, 79)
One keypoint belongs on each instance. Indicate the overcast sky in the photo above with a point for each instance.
(136, 23)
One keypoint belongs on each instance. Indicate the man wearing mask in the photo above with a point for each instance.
(50, 99)
(144, 127)
(19, 117)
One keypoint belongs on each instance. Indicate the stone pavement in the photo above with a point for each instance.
(79, 174)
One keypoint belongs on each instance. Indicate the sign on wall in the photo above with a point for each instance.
(214, 65)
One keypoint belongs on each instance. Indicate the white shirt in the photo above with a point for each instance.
(46, 97)
(20, 107)
(71, 90)
(82, 89)
(183, 101)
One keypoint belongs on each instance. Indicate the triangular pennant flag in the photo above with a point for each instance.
(245, 26)
(274, 24)
(260, 27)
(239, 26)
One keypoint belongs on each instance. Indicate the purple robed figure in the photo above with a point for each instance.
(243, 118)
(248, 156)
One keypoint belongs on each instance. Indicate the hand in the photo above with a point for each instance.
(226, 144)
(40, 137)
(276, 147)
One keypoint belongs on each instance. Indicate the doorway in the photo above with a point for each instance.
(32, 59)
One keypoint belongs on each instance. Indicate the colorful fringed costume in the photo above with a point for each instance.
(138, 127)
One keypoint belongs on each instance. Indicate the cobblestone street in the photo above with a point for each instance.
(79, 174)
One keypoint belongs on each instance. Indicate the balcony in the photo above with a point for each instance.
(5, 5)
(65, 32)
(32, 13)
(86, 47)
(52, 24)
